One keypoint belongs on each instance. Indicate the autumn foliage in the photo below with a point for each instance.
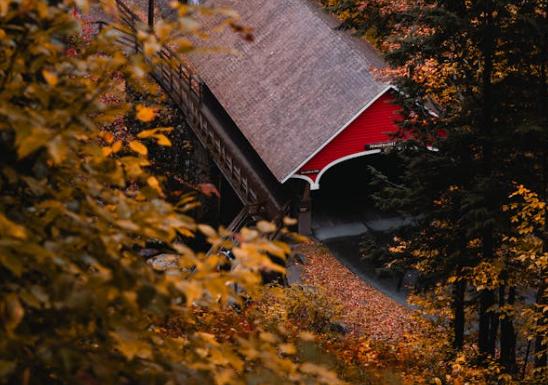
(78, 303)
(81, 197)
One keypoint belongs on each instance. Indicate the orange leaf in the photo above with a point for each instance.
(154, 183)
(50, 77)
(106, 151)
(163, 140)
(138, 147)
(145, 114)
(117, 146)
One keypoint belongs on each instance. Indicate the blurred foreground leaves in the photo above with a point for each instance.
(78, 304)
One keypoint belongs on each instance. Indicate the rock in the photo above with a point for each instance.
(300, 258)
(294, 273)
(148, 252)
(163, 262)
(339, 327)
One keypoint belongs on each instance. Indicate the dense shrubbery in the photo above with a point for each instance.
(78, 304)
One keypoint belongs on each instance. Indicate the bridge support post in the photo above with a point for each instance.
(151, 14)
(305, 212)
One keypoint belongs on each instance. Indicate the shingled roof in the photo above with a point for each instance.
(294, 88)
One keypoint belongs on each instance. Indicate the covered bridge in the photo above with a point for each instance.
(303, 94)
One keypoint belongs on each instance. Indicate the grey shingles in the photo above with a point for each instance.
(296, 85)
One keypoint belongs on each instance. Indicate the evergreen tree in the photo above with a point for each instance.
(483, 63)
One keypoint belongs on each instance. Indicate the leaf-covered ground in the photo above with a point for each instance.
(367, 311)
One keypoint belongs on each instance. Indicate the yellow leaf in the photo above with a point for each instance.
(50, 77)
(289, 221)
(4, 7)
(185, 232)
(207, 337)
(150, 47)
(306, 336)
(138, 147)
(145, 114)
(201, 352)
(57, 149)
(157, 133)
(11, 229)
(208, 231)
(83, 5)
(224, 376)
(266, 227)
(117, 146)
(106, 151)
(268, 337)
(130, 345)
(107, 137)
(29, 141)
(155, 184)
(288, 349)
(151, 133)
(14, 310)
(163, 140)
(126, 224)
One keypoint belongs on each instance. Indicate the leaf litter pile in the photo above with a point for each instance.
(367, 311)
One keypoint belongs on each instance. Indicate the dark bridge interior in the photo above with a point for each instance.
(346, 190)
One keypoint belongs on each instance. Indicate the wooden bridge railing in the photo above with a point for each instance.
(186, 90)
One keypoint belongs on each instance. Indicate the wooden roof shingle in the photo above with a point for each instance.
(296, 86)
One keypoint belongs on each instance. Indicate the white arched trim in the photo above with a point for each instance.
(341, 129)
(316, 185)
(306, 178)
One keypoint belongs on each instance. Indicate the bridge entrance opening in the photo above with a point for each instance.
(344, 205)
(346, 220)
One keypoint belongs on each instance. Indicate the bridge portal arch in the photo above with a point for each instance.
(315, 180)
(373, 130)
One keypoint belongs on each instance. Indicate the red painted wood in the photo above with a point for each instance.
(373, 126)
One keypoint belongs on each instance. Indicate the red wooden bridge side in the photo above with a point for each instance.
(373, 127)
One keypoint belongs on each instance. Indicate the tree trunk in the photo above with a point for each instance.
(494, 329)
(507, 332)
(487, 300)
(487, 322)
(487, 318)
(459, 290)
(541, 356)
